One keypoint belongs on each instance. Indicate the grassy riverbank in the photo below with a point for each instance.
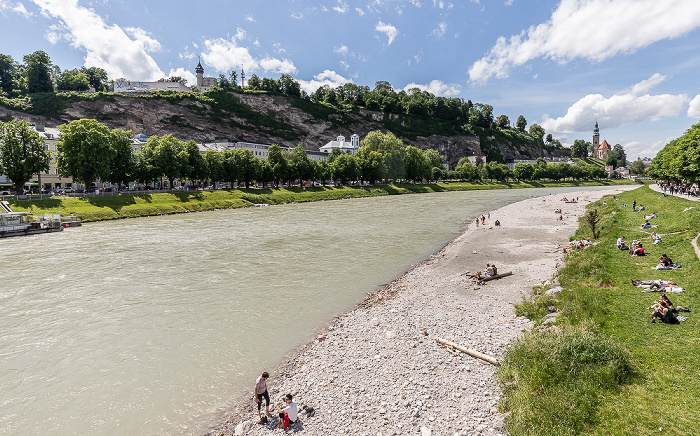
(608, 371)
(130, 206)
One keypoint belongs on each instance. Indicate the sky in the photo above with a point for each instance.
(630, 65)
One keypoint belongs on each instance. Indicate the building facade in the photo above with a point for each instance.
(203, 83)
(600, 151)
(344, 146)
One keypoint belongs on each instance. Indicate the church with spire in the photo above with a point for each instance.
(600, 151)
(203, 83)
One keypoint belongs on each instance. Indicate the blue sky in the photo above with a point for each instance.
(631, 64)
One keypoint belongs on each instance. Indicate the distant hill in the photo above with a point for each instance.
(266, 118)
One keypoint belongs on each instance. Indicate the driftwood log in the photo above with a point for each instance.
(497, 276)
(482, 356)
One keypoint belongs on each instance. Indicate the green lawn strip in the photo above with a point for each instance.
(661, 387)
(129, 205)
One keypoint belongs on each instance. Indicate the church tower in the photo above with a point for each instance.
(200, 75)
(596, 137)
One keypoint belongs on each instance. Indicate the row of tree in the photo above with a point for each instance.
(39, 74)
(679, 160)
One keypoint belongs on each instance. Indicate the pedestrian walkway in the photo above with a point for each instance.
(657, 188)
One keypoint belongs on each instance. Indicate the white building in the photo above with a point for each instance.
(134, 87)
(340, 143)
(259, 150)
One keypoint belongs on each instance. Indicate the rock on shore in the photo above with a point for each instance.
(377, 370)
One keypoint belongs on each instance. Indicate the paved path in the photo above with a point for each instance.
(694, 242)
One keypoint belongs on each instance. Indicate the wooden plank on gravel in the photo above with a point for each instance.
(469, 351)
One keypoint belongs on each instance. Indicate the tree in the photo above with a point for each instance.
(521, 123)
(248, 165)
(73, 80)
(503, 122)
(579, 149)
(215, 166)
(83, 151)
(254, 82)
(300, 166)
(416, 164)
(37, 72)
(637, 167)
(523, 171)
(612, 161)
(391, 149)
(592, 219)
(344, 168)
(161, 154)
(278, 163)
(536, 131)
(288, 86)
(97, 78)
(122, 160)
(466, 170)
(372, 166)
(619, 153)
(9, 75)
(22, 153)
(192, 162)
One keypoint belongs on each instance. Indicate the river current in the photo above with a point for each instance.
(147, 326)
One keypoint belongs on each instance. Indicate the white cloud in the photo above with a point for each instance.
(345, 65)
(240, 34)
(283, 66)
(387, 29)
(328, 77)
(278, 48)
(297, 15)
(342, 7)
(440, 31)
(185, 74)
(360, 12)
(342, 50)
(694, 107)
(443, 5)
(632, 105)
(187, 54)
(225, 55)
(17, 8)
(250, 18)
(106, 46)
(592, 29)
(437, 87)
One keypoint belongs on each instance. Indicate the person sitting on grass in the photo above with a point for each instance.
(665, 261)
(655, 238)
(646, 225)
(288, 415)
(663, 312)
(621, 243)
(638, 250)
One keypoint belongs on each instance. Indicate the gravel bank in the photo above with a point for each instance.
(377, 370)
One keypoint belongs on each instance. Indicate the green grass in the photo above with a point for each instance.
(129, 206)
(600, 302)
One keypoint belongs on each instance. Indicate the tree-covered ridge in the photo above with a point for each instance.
(39, 87)
(679, 160)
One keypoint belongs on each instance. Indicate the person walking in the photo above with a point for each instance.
(260, 392)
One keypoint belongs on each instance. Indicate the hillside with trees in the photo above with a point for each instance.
(268, 111)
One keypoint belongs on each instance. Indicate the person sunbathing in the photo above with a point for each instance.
(646, 225)
(665, 261)
(655, 238)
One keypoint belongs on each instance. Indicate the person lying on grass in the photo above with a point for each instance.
(646, 225)
(658, 286)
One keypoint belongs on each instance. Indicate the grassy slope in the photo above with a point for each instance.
(599, 297)
(129, 206)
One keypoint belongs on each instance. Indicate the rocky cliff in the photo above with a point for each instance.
(268, 119)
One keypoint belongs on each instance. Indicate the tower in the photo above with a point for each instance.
(200, 75)
(596, 137)
(242, 77)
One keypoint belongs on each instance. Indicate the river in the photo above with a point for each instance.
(147, 326)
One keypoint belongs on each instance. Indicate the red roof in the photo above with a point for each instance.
(604, 145)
